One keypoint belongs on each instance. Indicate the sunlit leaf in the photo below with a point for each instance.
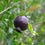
(29, 39)
(30, 27)
(35, 33)
(22, 43)
(27, 13)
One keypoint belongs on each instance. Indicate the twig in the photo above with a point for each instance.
(5, 42)
(5, 10)
(24, 7)
(16, 3)
(10, 7)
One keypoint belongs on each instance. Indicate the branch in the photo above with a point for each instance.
(10, 7)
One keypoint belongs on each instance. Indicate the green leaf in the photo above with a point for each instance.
(22, 13)
(35, 33)
(22, 43)
(14, 7)
(1, 7)
(27, 13)
(29, 39)
(30, 27)
(5, 2)
(16, 0)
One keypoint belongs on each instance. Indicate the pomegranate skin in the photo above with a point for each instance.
(21, 23)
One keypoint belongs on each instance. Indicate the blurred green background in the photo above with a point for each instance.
(34, 10)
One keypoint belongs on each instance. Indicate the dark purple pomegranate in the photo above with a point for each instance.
(21, 23)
